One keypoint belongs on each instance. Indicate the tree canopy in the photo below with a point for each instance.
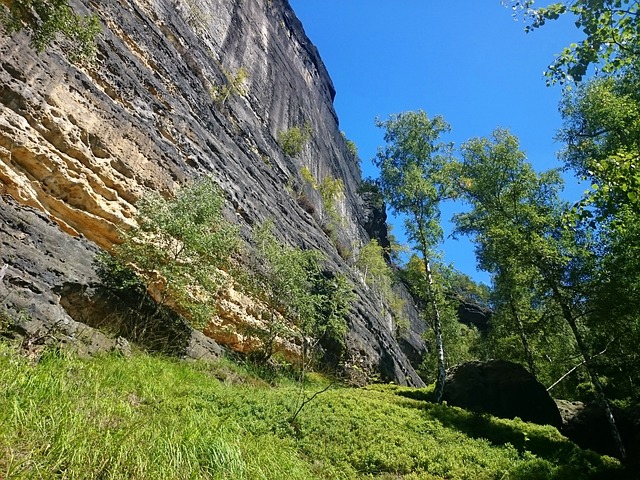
(601, 137)
(610, 27)
(543, 258)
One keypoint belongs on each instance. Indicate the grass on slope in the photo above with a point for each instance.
(155, 418)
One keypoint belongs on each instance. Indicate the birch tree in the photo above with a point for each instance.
(414, 181)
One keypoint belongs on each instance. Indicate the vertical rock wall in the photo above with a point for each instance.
(83, 143)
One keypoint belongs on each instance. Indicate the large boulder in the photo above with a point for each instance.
(586, 424)
(501, 388)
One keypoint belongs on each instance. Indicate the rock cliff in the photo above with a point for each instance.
(82, 143)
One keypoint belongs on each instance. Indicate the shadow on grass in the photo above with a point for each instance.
(543, 441)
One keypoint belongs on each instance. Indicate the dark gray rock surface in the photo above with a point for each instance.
(471, 313)
(501, 388)
(40, 258)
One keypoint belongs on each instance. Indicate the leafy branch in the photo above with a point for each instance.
(44, 20)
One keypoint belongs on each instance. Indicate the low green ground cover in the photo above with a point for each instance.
(157, 418)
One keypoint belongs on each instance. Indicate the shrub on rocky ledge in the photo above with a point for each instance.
(292, 141)
(178, 249)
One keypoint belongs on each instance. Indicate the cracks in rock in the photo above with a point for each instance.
(142, 77)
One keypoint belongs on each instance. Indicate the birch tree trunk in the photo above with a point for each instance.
(437, 328)
(584, 351)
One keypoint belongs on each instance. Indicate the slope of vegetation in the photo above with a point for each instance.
(152, 417)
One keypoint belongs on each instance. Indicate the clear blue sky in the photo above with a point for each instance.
(468, 61)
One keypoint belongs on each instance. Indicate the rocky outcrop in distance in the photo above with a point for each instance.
(82, 143)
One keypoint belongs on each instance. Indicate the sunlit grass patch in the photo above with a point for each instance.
(152, 417)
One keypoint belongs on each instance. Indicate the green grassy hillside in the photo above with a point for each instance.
(154, 418)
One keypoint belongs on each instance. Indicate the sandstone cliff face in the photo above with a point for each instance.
(83, 143)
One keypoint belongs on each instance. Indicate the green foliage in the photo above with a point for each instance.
(611, 29)
(462, 343)
(602, 135)
(461, 340)
(512, 206)
(300, 298)
(459, 285)
(351, 147)
(396, 249)
(179, 246)
(116, 275)
(615, 304)
(236, 84)
(332, 192)
(371, 187)
(414, 175)
(375, 269)
(517, 221)
(44, 20)
(601, 130)
(149, 417)
(414, 180)
(282, 277)
(544, 261)
(542, 256)
(293, 141)
(550, 349)
(336, 297)
(414, 276)
(379, 276)
(308, 177)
